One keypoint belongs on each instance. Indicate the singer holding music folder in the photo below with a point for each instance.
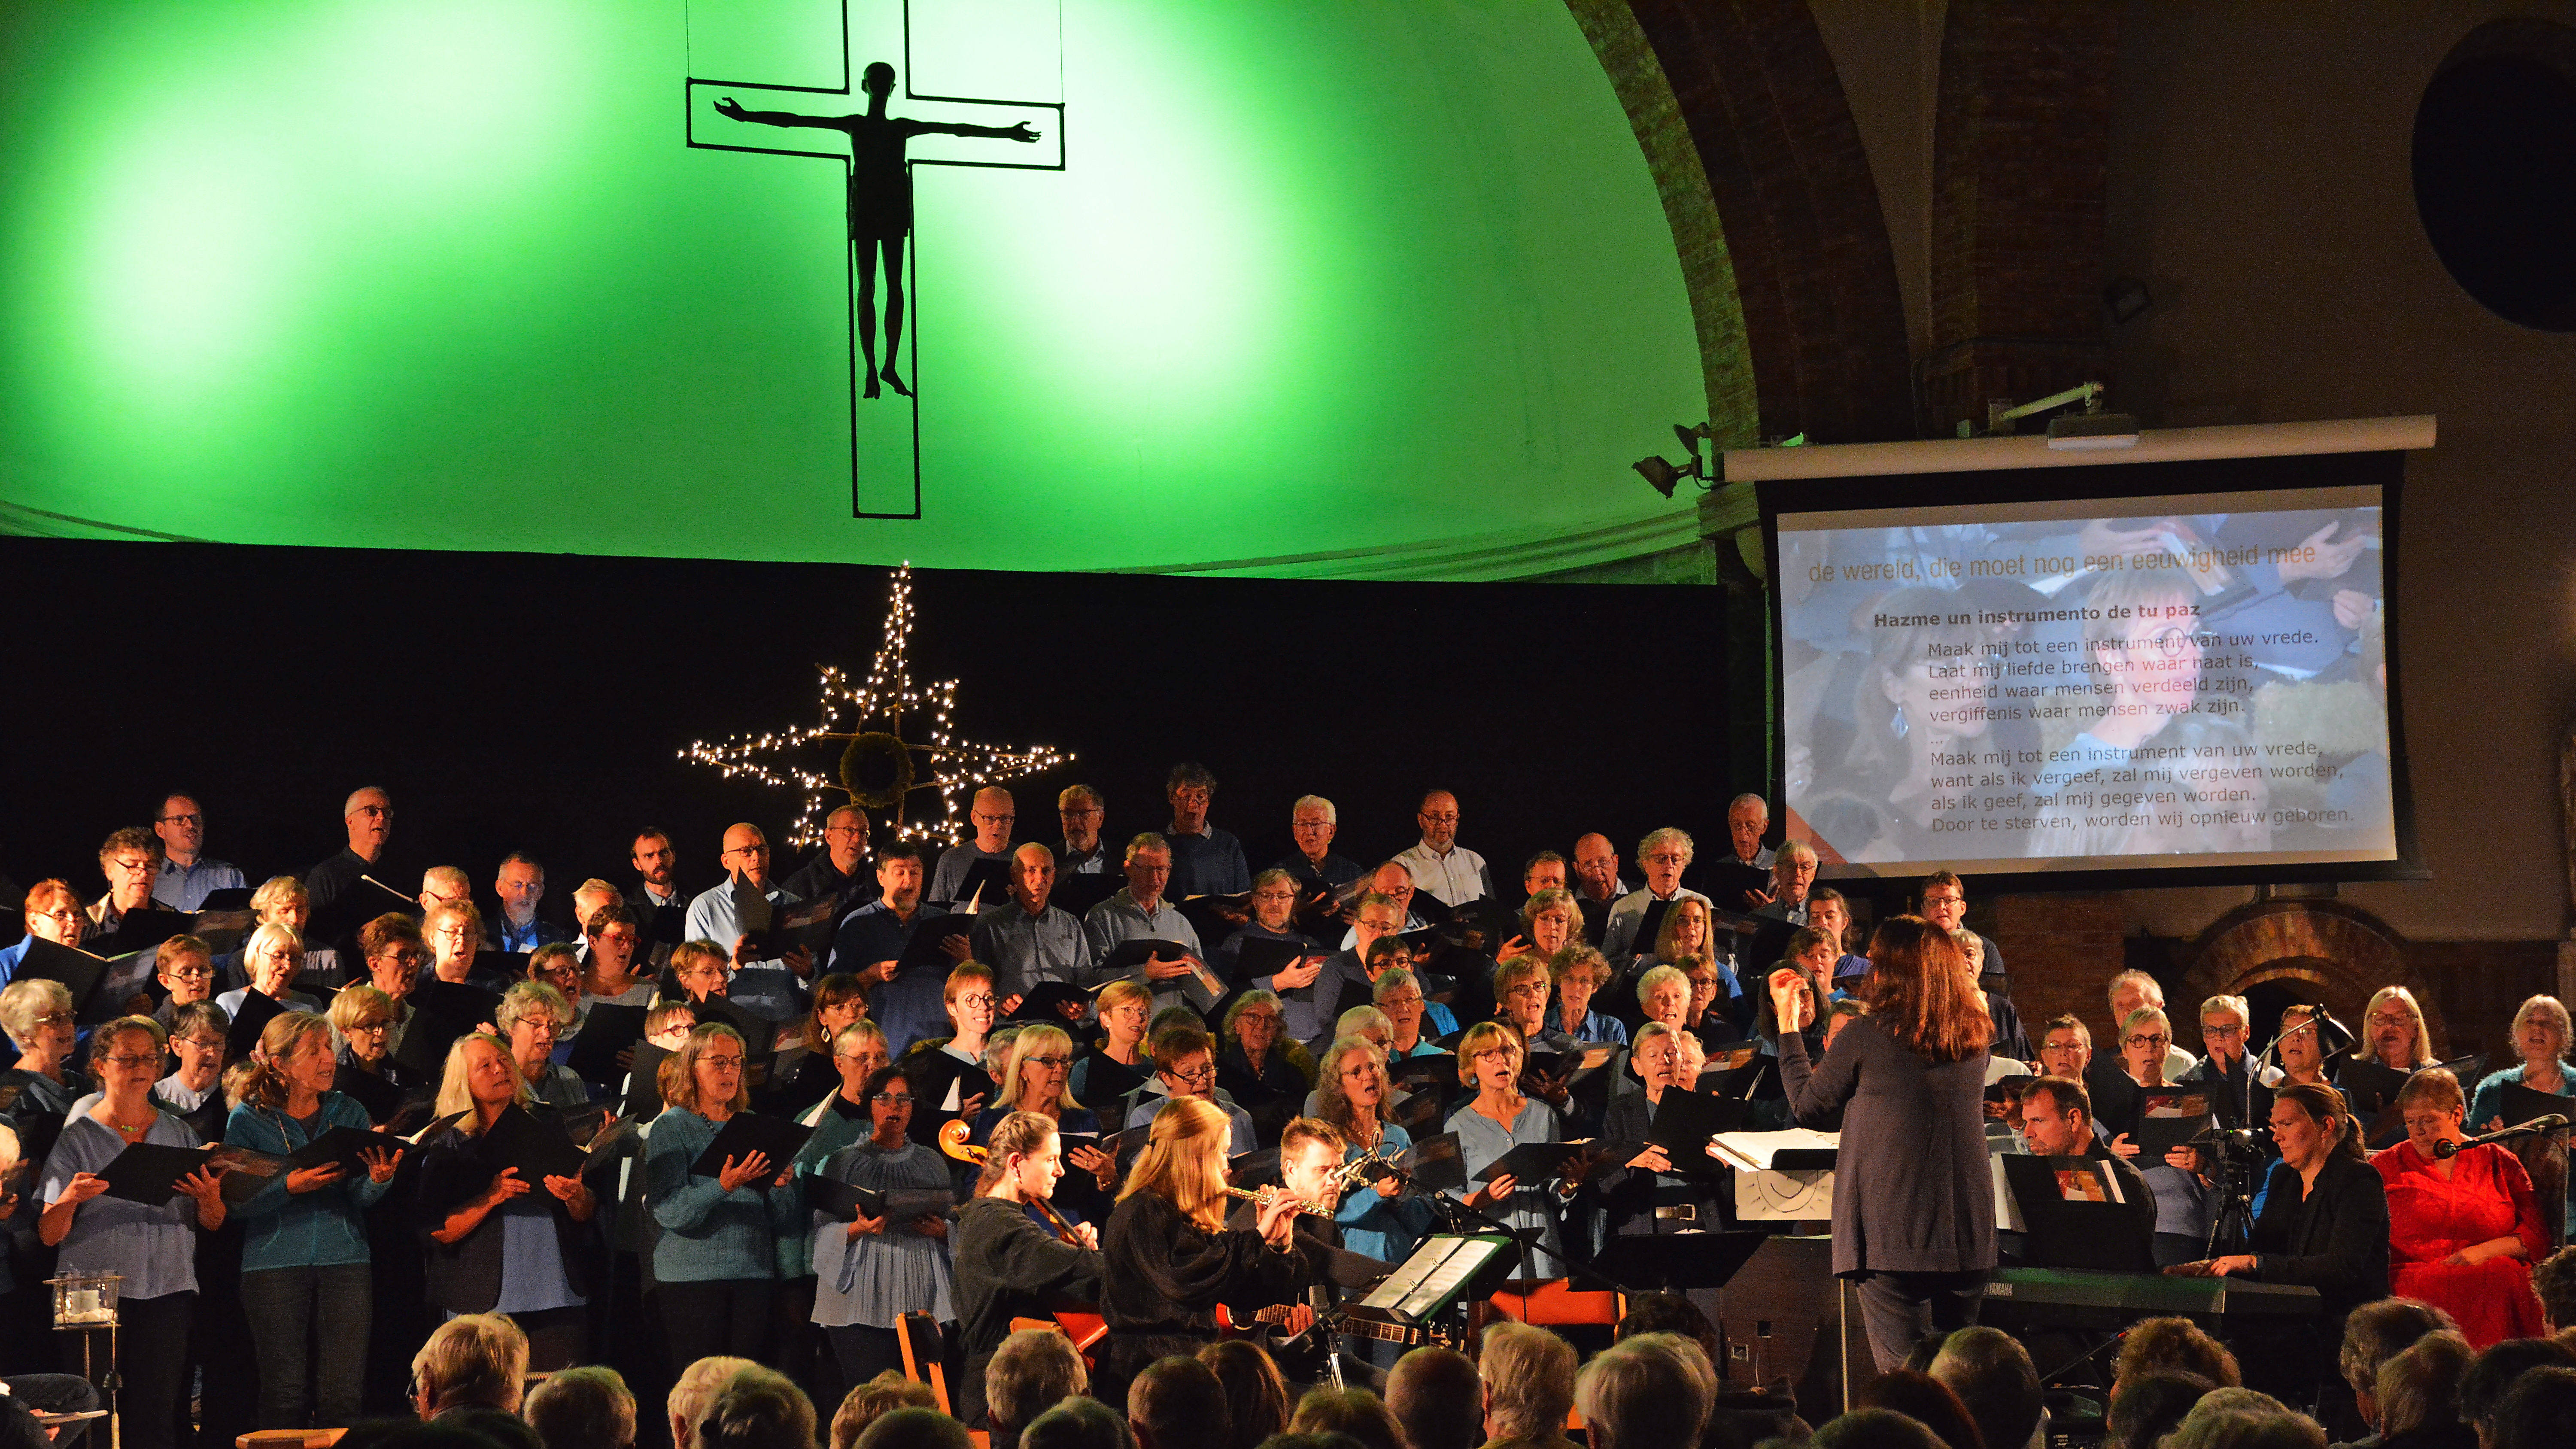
(153, 1246)
(1914, 1210)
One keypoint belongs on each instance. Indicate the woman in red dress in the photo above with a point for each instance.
(2462, 1231)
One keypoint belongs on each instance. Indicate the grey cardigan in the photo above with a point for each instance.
(1912, 1192)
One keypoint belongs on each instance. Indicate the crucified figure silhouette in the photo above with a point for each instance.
(880, 200)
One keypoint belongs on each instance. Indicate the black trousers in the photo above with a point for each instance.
(727, 1316)
(152, 1362)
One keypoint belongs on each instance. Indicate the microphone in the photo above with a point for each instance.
(2533, 1128)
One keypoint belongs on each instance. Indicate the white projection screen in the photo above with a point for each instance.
(2177, 670)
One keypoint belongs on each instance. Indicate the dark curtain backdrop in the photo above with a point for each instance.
(522, 701)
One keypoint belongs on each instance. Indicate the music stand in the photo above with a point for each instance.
(1677, 1262)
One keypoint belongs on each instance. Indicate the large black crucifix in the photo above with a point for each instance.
(1013, 43)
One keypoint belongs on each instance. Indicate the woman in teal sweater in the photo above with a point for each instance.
(306, 1283)
(715, 1264)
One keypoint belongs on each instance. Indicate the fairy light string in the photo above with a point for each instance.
(798, 757)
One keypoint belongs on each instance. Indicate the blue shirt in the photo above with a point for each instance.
(10, 956)
(713, 918)
(1207, 864)
(185, 887)
(316, 1229)
(1483, 1141)
(154, 1248)
(532, 1266)
(909, 1007)
(1384, 1228)
(709, 1234)
(538, 932)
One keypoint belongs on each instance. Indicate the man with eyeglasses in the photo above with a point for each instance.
(1029, 942)
(188, 876)
(1185, 1066)
(1945, 904)
(1447, 871)
(1313, 822)
(1206, 861)
(994, 814)
(368, 816)
(185, 967)
(1663, 855)
(766, 985)
(1743, 878)
(1793, 875)
(1082, 810)
(1596, 883)
(1140, 913)
(521, 883)
(833, 873)
(131, 861)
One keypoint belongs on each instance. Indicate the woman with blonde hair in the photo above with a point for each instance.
(1169, 1259)
(1037, 1077)
(1913, 1206)
(1012, 1258)
(500, 1243)
(1115, 1063)
(715, 1263)
(273, 958)
(281, 900)
(307, 1286)
(2540, 1038)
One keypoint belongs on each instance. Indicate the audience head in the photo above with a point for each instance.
(1875, 1429)
(477, 1359)
(1355, 1413)
(1256, 1394)
(2538, 1412)
(1031, 1372)
(1646, 1390)
(2419, 1388)
(1177, 1403)
(1927, 1401)
(2167, 1345)
(2376, 1332)
(915, 1428)
(2245, 1421)
(2146, 1408)
(2495, 1371)
(1668, 1313)
(696, 1388)
(875, 1399)
(1436, 1395)
(583, 1408)
(2554, 1279)
(1528, 1376)
(1077, 1423)
(1992, 1374)
(759, 1408)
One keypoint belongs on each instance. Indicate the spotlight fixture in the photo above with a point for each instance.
(1667, 476)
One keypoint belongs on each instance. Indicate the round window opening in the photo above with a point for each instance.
(2495, 170)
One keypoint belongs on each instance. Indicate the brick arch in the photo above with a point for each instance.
(1803, 247)
(2345, 953)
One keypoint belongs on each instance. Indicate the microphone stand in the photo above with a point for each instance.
(2536, 1127)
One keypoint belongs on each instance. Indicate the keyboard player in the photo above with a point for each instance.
(2057, 1121)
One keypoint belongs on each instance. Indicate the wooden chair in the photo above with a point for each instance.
(918, 1334)
(1552, 1303)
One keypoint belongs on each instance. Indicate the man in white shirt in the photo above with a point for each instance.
(188, 876)
(1451, 873)
(1663, 855)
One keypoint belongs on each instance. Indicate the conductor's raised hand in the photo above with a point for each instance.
(742, 1172)
(1789, 999)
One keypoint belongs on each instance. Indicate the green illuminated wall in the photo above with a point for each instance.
(1323, 275)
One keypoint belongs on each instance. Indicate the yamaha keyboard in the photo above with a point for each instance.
(2085, 1297)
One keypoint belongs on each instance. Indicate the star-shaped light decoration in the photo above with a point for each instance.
(876, 769)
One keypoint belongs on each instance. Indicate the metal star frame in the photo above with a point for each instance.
(876, 767)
